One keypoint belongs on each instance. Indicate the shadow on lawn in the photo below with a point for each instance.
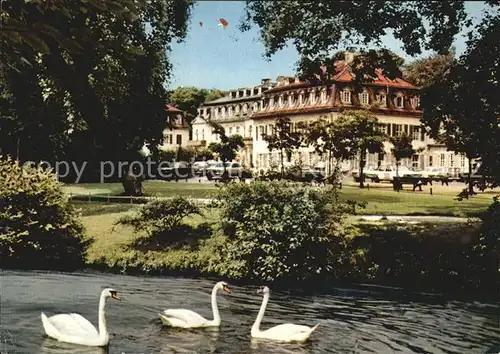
(179, 237)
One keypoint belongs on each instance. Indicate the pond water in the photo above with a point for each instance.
(357, 320)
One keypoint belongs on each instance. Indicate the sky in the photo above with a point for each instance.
(226, 58)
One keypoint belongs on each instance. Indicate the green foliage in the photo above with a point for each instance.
(214, 94)
(184, 154)
(318, 28)
(278, 231)
(462, 110)
(188, 99)
(402, 148)
(228, 146)
(204, 155)
(38, 226)
(364, 133)
(428, 71)
(283, 139)
(161, 216)
(167, 155)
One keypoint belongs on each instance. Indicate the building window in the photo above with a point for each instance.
(203, 134)
(245, 108)
(416, 133)
(230, 130)
(398, 101)
(415, 102)
(441, 161)
(237, 129)
(237, 109)
(462, 161)
(256, 106)
(301, 99)
(250, 131)
(452, 160)
(230, 111)
(364, 98)
(196, 134)
(178, 139)
(414, 161)
(345, 96)
(280, 101)
(398, 130)
(430, 161)
(290, 100)
(271, 102)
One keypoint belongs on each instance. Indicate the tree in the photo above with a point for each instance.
(320, 27)
(365, 136)
(227, 147)
(332, 138)
(402, 148)
(188, 99)
(283, 139)
(462, 110)
(117, 75)
(430, 70)
(214, 94)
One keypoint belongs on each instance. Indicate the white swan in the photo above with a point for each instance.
(287, 332)
(73, 328)
(189, 319)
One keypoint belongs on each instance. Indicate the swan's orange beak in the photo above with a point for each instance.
(226, 289)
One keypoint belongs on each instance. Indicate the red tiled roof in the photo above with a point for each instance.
(344, 74)
(173, 109)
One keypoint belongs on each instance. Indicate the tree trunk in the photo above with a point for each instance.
(362, 158)
(132, 184)
(469, 179)
(282, 164)
(397, 167)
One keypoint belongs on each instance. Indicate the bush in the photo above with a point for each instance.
(39, 229)
(162, 221)
(276, 231)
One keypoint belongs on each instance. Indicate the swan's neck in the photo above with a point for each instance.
(103, 328)
(260, 316)
(215, 308)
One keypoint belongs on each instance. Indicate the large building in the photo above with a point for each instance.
(252, 112)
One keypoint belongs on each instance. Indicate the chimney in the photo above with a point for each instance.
(265, 81)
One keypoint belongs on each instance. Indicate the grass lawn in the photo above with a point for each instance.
(111, 241)
(380, 198)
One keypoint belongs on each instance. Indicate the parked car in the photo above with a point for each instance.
(386, 173)
(435, 173)
(176, 171)
(233, 170)
(200, 167)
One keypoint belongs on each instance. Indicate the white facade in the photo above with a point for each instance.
(176, 135)
(251, 112)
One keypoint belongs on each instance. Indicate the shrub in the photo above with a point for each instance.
(38, 226)
(277, 231)
(162, 220)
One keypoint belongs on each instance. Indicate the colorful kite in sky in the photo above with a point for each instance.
(223, 23)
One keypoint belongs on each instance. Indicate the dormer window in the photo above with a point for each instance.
(324, 96)
(312, 97)
(280, 101)
(399, 101)
(301, 99)
(345, 96)
(382, 99)
(415, 102)
(364, 98)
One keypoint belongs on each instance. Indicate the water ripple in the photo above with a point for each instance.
(366, 320)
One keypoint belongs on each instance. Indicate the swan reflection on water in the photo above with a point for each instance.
(186, 341)
(52, 346)
(259, 345)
